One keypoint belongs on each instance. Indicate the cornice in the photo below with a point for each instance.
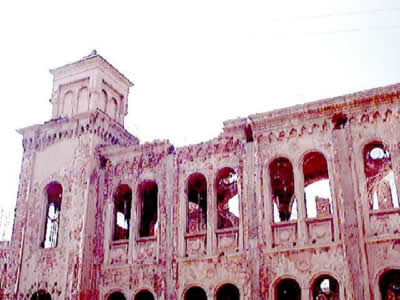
(39, 137)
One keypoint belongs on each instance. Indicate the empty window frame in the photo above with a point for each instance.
(227, 199)
(288, 289)
(325, 287)
(122, 212)
(228, 292)
(195, 293)
(389, 285)
(41, 295)
(148, 195)
(116, 296)
(317, 191)
(282, 188)
(144, 295)
(196, 203)
(380, 179)
(53, 210)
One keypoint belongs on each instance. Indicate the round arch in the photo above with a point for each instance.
(227, 291)
(325, 284)
(286, 288)
(144, 294)
(194, 292)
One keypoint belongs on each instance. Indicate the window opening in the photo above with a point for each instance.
(317, 191)
(195, 293)
(144, 295)
(326, 288)
(288, 289)
(122, 212)
(197, 204)
(227, 199)
(282, 187)
(228, 292)
(41, 295)
(116, 296)
(149, 208)
(381, 187)
(389, 285)
(53, 210)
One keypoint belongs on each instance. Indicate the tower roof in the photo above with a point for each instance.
(93, 58)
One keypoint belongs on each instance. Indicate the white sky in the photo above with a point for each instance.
(194, 63)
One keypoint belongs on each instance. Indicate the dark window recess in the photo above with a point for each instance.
(282, 188)
(116, 296)
(52, 226)
(197, 203)
(227, 199)
(381, 188)
(389, 285)
(326, 288)
(195, 293)
(144, 295)
(288, 289)
(41, 295)
(148, 192)
(122, 212)
(228, 292)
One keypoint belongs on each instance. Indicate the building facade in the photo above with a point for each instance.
(297, 203)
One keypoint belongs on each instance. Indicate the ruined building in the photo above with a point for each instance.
(297, 203)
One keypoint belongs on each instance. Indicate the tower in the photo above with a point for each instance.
(56, 204)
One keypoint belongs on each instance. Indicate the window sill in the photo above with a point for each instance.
(145, 239)
(387, 211)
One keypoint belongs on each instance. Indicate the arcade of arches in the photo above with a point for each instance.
(298, 203)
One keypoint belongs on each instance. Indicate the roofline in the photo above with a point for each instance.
(91, 56)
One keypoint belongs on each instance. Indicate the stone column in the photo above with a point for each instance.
(352, 223)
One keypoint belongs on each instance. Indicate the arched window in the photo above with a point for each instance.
(144, 295)
(53, 210)
(148, 195)
(41, 295)
(83, 100)
(116, 296)
(195, 293)
(317, 191)
(112, 108)
(288, 289)
(68, 104)
(122, 212)
(282, 188)
(325, 287)
(103, 100)
(227, 199)
(228, 292)
(381, 188)
(389, 285)
(197, 203)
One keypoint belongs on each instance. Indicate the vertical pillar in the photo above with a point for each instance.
(351, 224)
(251, 219)
(211, 215)
(301, 207)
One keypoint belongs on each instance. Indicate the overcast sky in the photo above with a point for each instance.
(194, 63)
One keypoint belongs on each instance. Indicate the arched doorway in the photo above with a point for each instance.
(325, 287)
(116, 296)
(144, 295)
(288, 289)
(228, 292)
(195, 293)
(41, 295)
(389, 285)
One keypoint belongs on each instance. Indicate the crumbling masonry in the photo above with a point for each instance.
(297, 203)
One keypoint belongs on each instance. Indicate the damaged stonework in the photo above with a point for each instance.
(297, 203)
